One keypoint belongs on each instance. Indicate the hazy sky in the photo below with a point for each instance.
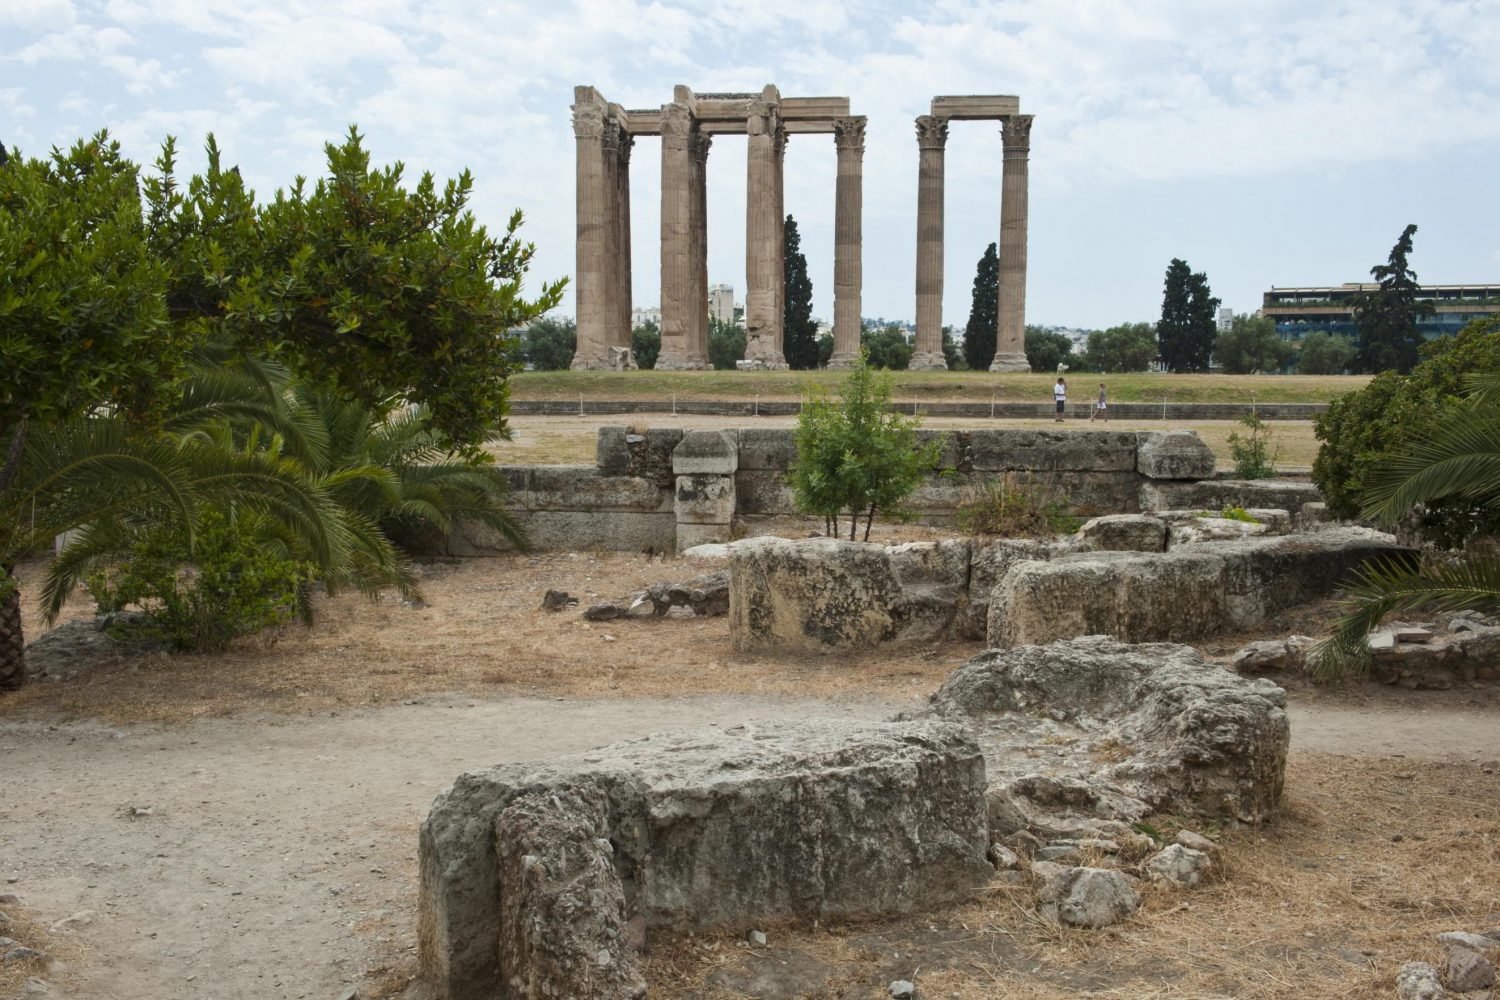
(1266, 142)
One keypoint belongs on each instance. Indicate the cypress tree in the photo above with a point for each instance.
(801, 346)
(1386, 319)
(1185, 332)
(979, 334)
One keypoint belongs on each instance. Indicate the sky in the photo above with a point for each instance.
(1265, 142)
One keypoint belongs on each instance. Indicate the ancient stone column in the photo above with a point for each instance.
(1010, 333)
(763, 225)
(591, 278)
(611, 213)
(848, 211)
(623, 290)
(932, 137)
(780, 181)
(678, 268)
(698, 338)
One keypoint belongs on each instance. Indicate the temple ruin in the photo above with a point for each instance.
(605, 135)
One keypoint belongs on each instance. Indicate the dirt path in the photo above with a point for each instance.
(277, 858)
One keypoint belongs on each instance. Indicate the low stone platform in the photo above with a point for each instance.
(705, 829)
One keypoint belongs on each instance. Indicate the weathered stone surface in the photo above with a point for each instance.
(1469, 971)
(1177, 864)
(989, 562)
(772, 820)
(763, 491)
(1281, 494)
(577, 531)
(1272, 655)
(1124, 533)
(1084, 737)
(1089, 897)
(1053, 451)
(562, 918)
(704, 499)
(706, 595)
(579, 488)
(1209, 528)
(1313, 513)
(1173, 455)
(820, 593)
(706, 453)
(767, 448)
(1465, 939)
(1180, 594)
(1419, 981)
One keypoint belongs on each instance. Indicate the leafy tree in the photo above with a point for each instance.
(979, 332)
(726, 344)
(887, 347)
(1251, 345)
(1361, 430)
(645, 344)
(550, 344)
(391, 296)
(1324, 353)
(1129, 347)
(1453, 464)
(1386, 318)
(856, 456)
(1186, 328)
(1045, 349)
(825, 349)
(801, 346)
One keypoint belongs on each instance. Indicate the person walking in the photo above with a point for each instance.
(1101, 408)
(1060, 398)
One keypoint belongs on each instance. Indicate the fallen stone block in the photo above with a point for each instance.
(1178, 865)
(1085, 737)
(1216, 494)
(1272, 655)
(1419, 981)
(1173, 455)
(819, 819)
(1089, 897)
(1123, 533)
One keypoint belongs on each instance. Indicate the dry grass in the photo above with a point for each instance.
(1369, 860)
(482, 634)
(27, 932)
(571, 440)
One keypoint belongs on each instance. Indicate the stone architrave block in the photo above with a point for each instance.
(1053, 451)
(706, 453)
(818, 819)
(704, 499)
(764, 491)
(768, 448)
(611, 453)
(1124, 533)
(1173, 455)
(581, 488)
(1217, 494)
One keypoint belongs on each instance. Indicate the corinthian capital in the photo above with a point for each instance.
(849, 133)
(588, 121)
(699, 145)
(1018, 132)
(932, 132)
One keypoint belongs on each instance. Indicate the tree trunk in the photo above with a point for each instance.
(12, 644)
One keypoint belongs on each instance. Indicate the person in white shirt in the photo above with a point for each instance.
(1060, 397)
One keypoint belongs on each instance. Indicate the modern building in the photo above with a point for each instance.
(640, 317)
(1300, 311)
(721, 303)
(1225, 319)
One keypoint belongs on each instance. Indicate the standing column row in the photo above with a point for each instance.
(603, 262)
(932, 139)
(678, 207)
(1010, 333)
(848, 224)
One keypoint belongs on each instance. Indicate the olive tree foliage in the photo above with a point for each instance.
(550, 344)
(854, 455)
(1251, 345)
(1129, 347)
(1324, 353)
(1046, 349)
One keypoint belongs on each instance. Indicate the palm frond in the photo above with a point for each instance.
(1461, 460)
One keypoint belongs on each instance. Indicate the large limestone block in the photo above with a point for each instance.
(1173, 455)
(989, 561)
(704, 499)
(1216, 494)
(580, 488)
(1053, 451)
(1084, 737)
(1123, 533)
(822, 593)
(816, 819)
(767, 448)
(706, 453)
(1263, 576)
(572, 530)
(763, 491)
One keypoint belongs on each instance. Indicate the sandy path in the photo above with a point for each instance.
(278, 857)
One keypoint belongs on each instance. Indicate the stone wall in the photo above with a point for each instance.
(668, 489)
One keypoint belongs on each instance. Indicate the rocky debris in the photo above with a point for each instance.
(1272, 655)
(817, 819)
(706, 595)
(818, 594)
(1196, 842)
(1183, 593)
(556, 600)
(1212, 528)
(1464, 939)
(74, 647)
(1173, 455)
(10, 951)
(756, 939)
(1046, 871)
(1123, 533)
(1216, 494)
(1466, 650)
(564, 915)
(604, 612)
(1312, 514)
(1419, 981)
(1088, 897)
(1084, 737)
(901, 989)
(82, 918)
(1003, 858)
(1468, 971)
(1179, 865)
(37, 987)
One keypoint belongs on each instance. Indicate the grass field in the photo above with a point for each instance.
(973, 386)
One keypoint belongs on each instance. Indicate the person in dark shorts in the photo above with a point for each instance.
(1060, 397)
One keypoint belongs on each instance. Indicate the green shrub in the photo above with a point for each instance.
(1254, 457)
(1362, 429)
(1014, 505)
(1231, 514)
(229, 585)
